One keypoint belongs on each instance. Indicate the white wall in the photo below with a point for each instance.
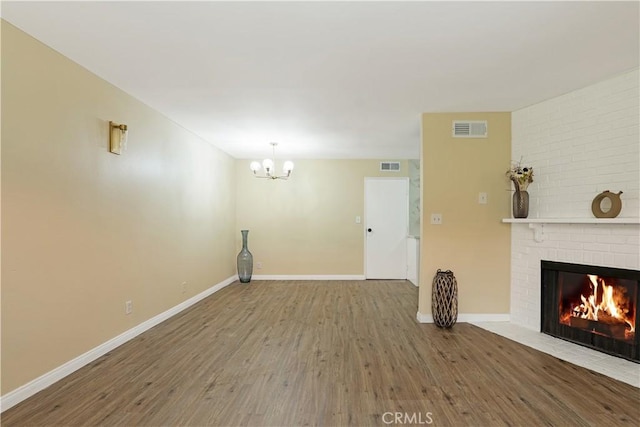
(414, 197)
(579, 145)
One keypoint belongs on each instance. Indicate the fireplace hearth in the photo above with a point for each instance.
(592, 306)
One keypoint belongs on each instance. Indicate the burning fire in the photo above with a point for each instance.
(610, 305)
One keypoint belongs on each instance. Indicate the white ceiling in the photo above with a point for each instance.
(335, 79)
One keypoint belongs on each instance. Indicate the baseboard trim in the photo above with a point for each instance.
(468, 317)
(25, 391)
(424, 318)
(308, 277)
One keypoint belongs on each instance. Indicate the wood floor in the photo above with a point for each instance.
(327, 354)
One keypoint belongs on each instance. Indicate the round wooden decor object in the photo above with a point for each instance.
(613, 211)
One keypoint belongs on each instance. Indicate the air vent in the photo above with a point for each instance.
(469, 129)
(390, 166)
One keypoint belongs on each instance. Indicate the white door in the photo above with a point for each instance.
(386, 226)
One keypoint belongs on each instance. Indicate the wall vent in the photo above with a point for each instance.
(390, 166)
(470, 128)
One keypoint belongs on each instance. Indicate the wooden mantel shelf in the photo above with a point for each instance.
(572, 220)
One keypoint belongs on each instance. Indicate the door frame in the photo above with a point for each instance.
(364, 228)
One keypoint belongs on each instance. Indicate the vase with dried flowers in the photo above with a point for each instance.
(521, 176)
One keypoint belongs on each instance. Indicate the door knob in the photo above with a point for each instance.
(369, 230)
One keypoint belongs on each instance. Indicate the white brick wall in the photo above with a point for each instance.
(579, 145)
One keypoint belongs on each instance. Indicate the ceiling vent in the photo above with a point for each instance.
(469, 128)
(390, 166)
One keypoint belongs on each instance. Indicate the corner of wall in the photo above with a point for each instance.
(471, 241)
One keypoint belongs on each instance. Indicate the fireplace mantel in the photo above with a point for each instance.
(537, 224)
(572, 220)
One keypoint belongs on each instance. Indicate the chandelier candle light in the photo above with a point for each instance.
(269, 167)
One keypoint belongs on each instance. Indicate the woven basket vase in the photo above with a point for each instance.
(444, 299)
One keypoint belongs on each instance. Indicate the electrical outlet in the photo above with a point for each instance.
(259, 265)
(128, 307)
(482, 198)
(436, 218)
(184, 287)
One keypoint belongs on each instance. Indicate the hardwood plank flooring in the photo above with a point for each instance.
(326, 354)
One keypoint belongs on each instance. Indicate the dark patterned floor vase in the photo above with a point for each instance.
(444, 299)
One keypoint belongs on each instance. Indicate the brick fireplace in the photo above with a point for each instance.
(593, 244)
(579, 145)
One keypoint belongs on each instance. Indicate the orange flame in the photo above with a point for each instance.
(609, 304)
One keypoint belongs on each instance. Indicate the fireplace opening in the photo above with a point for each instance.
(592, 306)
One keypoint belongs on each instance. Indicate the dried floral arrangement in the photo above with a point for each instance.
(521, 176)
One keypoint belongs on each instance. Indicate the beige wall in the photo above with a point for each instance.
(306, 225)
(84, 230)
(472, 242)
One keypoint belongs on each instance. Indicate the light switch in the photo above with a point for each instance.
(358, 221)
(482, 198)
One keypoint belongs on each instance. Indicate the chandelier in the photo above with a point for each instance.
(269, 167)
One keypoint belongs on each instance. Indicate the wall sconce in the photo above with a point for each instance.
(117, 137)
